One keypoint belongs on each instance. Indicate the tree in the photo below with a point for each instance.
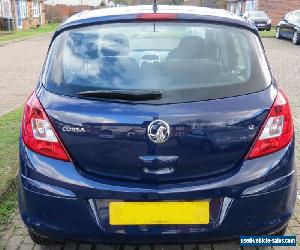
(221, 4)
(102, 3)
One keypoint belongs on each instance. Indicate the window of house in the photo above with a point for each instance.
(23, 8)
(250, 5)
(0, 9)
(35, 8)
(6, 8)
(238, 8)
(231, 7)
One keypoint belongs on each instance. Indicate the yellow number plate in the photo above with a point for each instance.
(157, 213)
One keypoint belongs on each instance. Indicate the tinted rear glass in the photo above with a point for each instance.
(296, 16)
(297, 13)
(185, 61)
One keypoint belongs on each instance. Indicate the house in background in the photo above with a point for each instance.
(29, 13)
(240, 6)
(60, 10)
(21, 14)
(275, 9)
(203, 3)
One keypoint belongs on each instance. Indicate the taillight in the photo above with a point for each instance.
(38, 133)
(277, 131)
(157, 16)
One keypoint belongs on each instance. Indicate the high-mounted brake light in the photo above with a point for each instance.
(157, 16)
(277, 131)
(38, 133)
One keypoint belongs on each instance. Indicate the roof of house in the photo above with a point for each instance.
(131, 13)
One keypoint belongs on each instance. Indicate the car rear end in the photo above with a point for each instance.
(156, 128)
(261, 20)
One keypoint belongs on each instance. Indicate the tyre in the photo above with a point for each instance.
(296, 38)
(281, 232)
(39, 240)
(278, 34)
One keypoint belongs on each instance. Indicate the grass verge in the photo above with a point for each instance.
(8, 207)
(28, 33)
(9, 137)
(270, 33)
(9, 156)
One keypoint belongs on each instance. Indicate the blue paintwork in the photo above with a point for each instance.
(69, 200)
(116, 134)
(240, 204)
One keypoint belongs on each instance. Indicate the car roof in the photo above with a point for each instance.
(149, 9)
(123, 14)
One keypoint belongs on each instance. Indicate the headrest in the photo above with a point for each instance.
(191, 47)
(114, 44)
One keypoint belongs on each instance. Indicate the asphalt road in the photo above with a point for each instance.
(20, 64)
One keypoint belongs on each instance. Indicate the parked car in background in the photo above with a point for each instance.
(260, 19)
(289, 27)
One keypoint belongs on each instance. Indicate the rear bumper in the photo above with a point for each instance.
(58, 201)
(263, 27)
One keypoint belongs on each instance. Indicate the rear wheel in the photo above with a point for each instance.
(39, 240)
(278, 35)
(296, 38)
(281, 232)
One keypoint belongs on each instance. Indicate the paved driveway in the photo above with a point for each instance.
(20, 64)
(18, 78)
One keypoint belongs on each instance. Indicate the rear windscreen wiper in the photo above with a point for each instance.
(128, 95)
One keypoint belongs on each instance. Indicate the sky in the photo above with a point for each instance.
(74, 2)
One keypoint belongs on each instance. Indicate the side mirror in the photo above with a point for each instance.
(283, 19)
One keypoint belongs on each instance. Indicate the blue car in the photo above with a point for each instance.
(113, 145)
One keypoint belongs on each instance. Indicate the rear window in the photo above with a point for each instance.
(257, 14)
(297, 13)
(296, 16)
(185, 61)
